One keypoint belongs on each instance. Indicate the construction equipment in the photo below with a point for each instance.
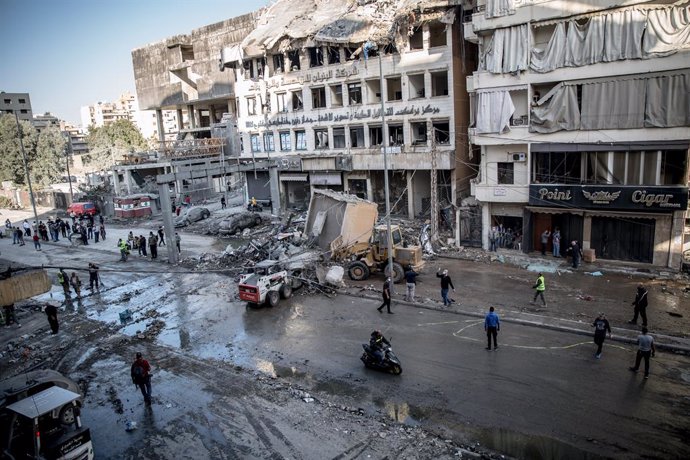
(265, 285)
(345, 226)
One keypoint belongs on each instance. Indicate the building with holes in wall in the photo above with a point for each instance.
(309, 95)
(581, 111)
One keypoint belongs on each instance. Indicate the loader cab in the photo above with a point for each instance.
(380, 239)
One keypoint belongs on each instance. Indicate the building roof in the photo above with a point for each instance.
(291, 24)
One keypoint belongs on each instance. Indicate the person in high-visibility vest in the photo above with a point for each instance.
(63, 279)
(540, 287)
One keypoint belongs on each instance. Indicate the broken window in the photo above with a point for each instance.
(416, 85)
(375, 136)
(282, 107)
(505, 173)
(439, 83)
(390, 49)
(394, 89)
(321, 138)
(255, 143)
(269, 142)
(285, 141)
(187, 52)
(441, 132)
(437, 34)
(373, 91)
(300, 140)
(339, 138)
(395, 135)
(260, 65)
(278, 63)
(333, 55)
(418, 133)
(297, 100)
(357, 137)
(336, 95)
(315, 56)
(417, 39)
(354, 93)
(248, 69)
(350, 53)
(318, 98)
(251, 106)
(293, 57)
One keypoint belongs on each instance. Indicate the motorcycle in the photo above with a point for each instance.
(254, 207)
(390, 364)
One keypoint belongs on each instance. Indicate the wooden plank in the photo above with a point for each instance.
(22, 286)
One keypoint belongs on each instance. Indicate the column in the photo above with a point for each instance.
(160, 126)
(586, 232)
(191, 116)
(168, 224)
(486, 225)
(370, 190)
(275, 191)
(116, 181)
(180, 120)
(128, 181)
(410, 194)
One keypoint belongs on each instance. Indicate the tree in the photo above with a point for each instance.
(11, 161)
(50, 160)
(108, 144)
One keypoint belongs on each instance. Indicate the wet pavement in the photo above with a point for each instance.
(232, 382)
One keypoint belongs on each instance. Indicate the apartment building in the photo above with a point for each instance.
(44, 121)
(582, 114)
(16, 103)
(310, 97)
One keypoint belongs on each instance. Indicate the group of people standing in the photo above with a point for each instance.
(140, 243)
(574, 250)
(501, 237)
(83, 228)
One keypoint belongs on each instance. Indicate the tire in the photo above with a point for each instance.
(398, 272)
(206, 215)
(285, 291)
(358, 271)
(272, 298)
(257, 220)
(68, 414)
(396, 369)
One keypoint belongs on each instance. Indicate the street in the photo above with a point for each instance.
(230, 382)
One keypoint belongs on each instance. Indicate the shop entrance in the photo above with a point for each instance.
(570, 226)
(511, 233)
(623, 238)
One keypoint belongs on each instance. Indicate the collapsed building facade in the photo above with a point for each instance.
(582, 114)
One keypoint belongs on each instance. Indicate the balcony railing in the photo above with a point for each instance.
(191, 148)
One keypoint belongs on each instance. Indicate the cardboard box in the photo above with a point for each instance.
(589, 255)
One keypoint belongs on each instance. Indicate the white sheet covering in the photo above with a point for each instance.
(556, 111)
(494, 110)
(613, 104)
(668, 30)
(498, 8)
(507, 50)
(553, 56)
(585, 43)
(668, 101)
(623, 35)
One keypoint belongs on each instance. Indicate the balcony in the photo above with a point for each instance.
(191, 148)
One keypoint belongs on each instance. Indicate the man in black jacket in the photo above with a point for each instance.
(640, 304)
(446, 284)
(386, 296)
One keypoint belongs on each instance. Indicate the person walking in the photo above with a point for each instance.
(446, 284)
(20, 236)
(640, 304)
(540, 287)
(76, 284)
(141, 377)
(37, 242)
(577, 253)
(411, 283)
(161, 236)
(142, 246)
(124, 249)
(102, 231)
(93, 276)
(222, 202)
(492, 325)
(645, 348)
(51, 312)
(15, 237)
(153, 245)
(27, 228)
(63, 279)
(556, 241)
(177, 242)
(601, 327)
(544, 241)
(386, 296)
(10, 315)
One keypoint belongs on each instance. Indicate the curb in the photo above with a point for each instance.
(672, 347)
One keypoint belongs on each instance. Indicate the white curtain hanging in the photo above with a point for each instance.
(585, 43)
(556, 111)
(623, 35)
(668, 101)
(617, 104)
(668, 31)
(498, 8)
(506, 51)
(494, 110)
(553, 56)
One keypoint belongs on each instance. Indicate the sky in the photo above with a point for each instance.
(71, 53)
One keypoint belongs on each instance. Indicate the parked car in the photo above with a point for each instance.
(192, 215)
(238, 222)
(82, 208)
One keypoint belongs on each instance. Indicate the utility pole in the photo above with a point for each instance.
(384, 131)
(26, 167)
(67, 158)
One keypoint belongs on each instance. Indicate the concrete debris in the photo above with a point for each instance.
(334, 277)
(597, 273)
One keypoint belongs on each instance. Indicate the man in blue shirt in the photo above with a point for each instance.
(492, 326)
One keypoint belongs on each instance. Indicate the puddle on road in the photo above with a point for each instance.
(529, 446)
(401, 412)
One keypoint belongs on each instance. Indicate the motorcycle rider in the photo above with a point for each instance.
(377, 345)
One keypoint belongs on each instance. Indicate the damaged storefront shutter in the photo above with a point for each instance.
(326, 179)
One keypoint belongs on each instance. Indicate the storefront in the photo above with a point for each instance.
(631, 223)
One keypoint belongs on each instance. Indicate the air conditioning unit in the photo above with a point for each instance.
(519, 121)
(519, 156)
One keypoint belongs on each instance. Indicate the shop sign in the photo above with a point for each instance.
(623, 197)
(289, 164)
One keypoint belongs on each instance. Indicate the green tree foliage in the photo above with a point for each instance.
(11, 161)
(50, 160)
(108, 144)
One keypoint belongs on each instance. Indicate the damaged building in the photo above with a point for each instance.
(581, 111)
(323, 87)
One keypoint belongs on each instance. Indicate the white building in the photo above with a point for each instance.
(582, 113)
(309, 94)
